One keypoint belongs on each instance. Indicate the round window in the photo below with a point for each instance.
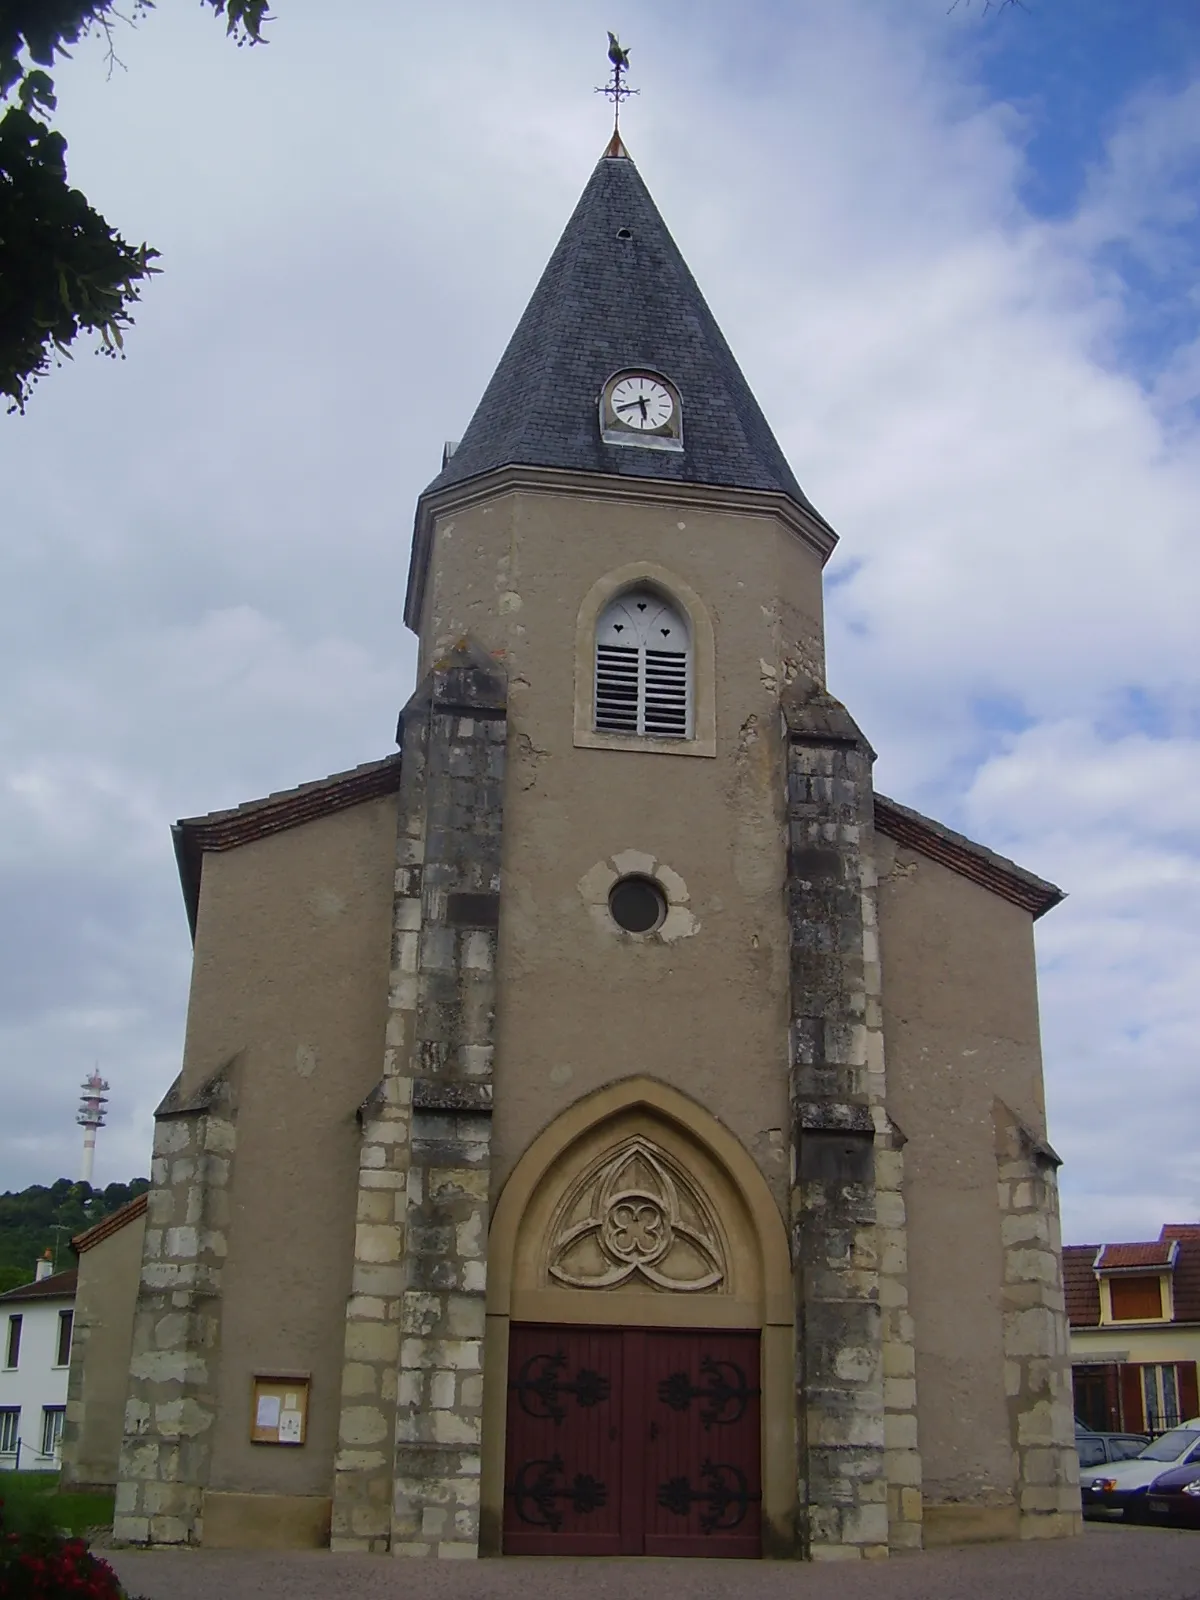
(637, 904)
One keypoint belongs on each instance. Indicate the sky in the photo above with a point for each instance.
(955, 252)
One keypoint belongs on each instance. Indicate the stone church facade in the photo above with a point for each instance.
(606, 1125)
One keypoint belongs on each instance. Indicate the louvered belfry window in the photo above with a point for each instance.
(643, 668)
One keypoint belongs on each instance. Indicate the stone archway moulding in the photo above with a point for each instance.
(628, 1095)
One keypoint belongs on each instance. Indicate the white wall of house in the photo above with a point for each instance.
(36, 1385)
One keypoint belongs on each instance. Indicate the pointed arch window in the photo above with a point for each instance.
(643, 667)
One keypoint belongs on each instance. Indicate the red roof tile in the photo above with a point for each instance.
(59, 1286)
(1079, 1280)
(1187, 1270)
(1115, 1257)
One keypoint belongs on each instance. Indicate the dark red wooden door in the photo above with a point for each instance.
(563, 1481)
(632, 1441)
(703, 1451)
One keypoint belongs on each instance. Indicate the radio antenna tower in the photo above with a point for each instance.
(93, 1107)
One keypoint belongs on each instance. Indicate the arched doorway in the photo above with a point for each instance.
(638, 1368)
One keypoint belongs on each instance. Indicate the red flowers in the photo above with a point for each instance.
(45, 1566)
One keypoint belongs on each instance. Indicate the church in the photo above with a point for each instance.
(606, 1125)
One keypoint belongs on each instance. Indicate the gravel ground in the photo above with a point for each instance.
(1108, 1563)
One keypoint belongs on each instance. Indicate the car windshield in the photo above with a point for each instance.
(1171, 1446)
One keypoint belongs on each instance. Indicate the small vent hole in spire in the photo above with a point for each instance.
(624, 233)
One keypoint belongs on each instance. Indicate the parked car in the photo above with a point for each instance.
(1175, 1497)
(1097, 1448)
(1120, 1490)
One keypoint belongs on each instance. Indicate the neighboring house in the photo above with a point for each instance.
(36, 1324)
(1134, 1311)
(110, 1260)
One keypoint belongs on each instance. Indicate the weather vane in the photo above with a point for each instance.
(616, 88)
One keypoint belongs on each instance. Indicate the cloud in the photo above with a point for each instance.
(205, 546)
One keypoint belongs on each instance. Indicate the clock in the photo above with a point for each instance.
(641, 402)
(641, 408)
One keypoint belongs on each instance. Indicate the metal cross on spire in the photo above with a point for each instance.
(616, 88)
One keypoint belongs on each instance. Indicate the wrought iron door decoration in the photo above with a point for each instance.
(727, 1495)
(726, 1393)
(540, 1485)
(537, 1387)
(636, 1214)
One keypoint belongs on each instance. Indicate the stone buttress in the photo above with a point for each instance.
(170, 1411)
(859, 1468)
(1037, 1360)
(408, 1464)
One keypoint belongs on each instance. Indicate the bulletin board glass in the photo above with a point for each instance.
(279, 1408)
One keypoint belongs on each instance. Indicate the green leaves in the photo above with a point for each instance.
(64, 270)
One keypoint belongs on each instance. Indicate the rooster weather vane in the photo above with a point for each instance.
(616, 89)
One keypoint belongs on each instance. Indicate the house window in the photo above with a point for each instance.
(643, 668)
(1136, 1299)
(1160, 1396)
(12, 1345)
(65, 1321)
(52, 1427)
(10, 1424)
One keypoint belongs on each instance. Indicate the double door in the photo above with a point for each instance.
(632, 1441)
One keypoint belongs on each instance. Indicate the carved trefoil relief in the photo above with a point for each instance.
(636, 1215)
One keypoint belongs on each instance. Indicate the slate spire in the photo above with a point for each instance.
(617, 293)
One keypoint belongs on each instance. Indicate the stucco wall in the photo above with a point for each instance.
(581, 1005)
(1137, 1345)
(960, 1029)
(103, 1336)
(290, 976)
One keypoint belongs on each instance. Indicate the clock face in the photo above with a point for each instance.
(641, 403)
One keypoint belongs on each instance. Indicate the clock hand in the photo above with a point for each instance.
(630, 405)
(642, 403)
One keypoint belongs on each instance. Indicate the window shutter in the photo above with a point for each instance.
(1112, 1398)
(1136, 1299)
(643, 668)
(1133, 1418)
(1189, 1397)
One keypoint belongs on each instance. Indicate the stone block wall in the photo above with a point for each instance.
(859, 1466)
(1037, 1360)
(167, 1444)
(408, 1466)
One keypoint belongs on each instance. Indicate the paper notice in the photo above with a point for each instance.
(289, 1401)
(267, 1415)
(289, 1428)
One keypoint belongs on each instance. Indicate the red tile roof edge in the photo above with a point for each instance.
(107, 1226)
(258, 819)
(962, 855)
